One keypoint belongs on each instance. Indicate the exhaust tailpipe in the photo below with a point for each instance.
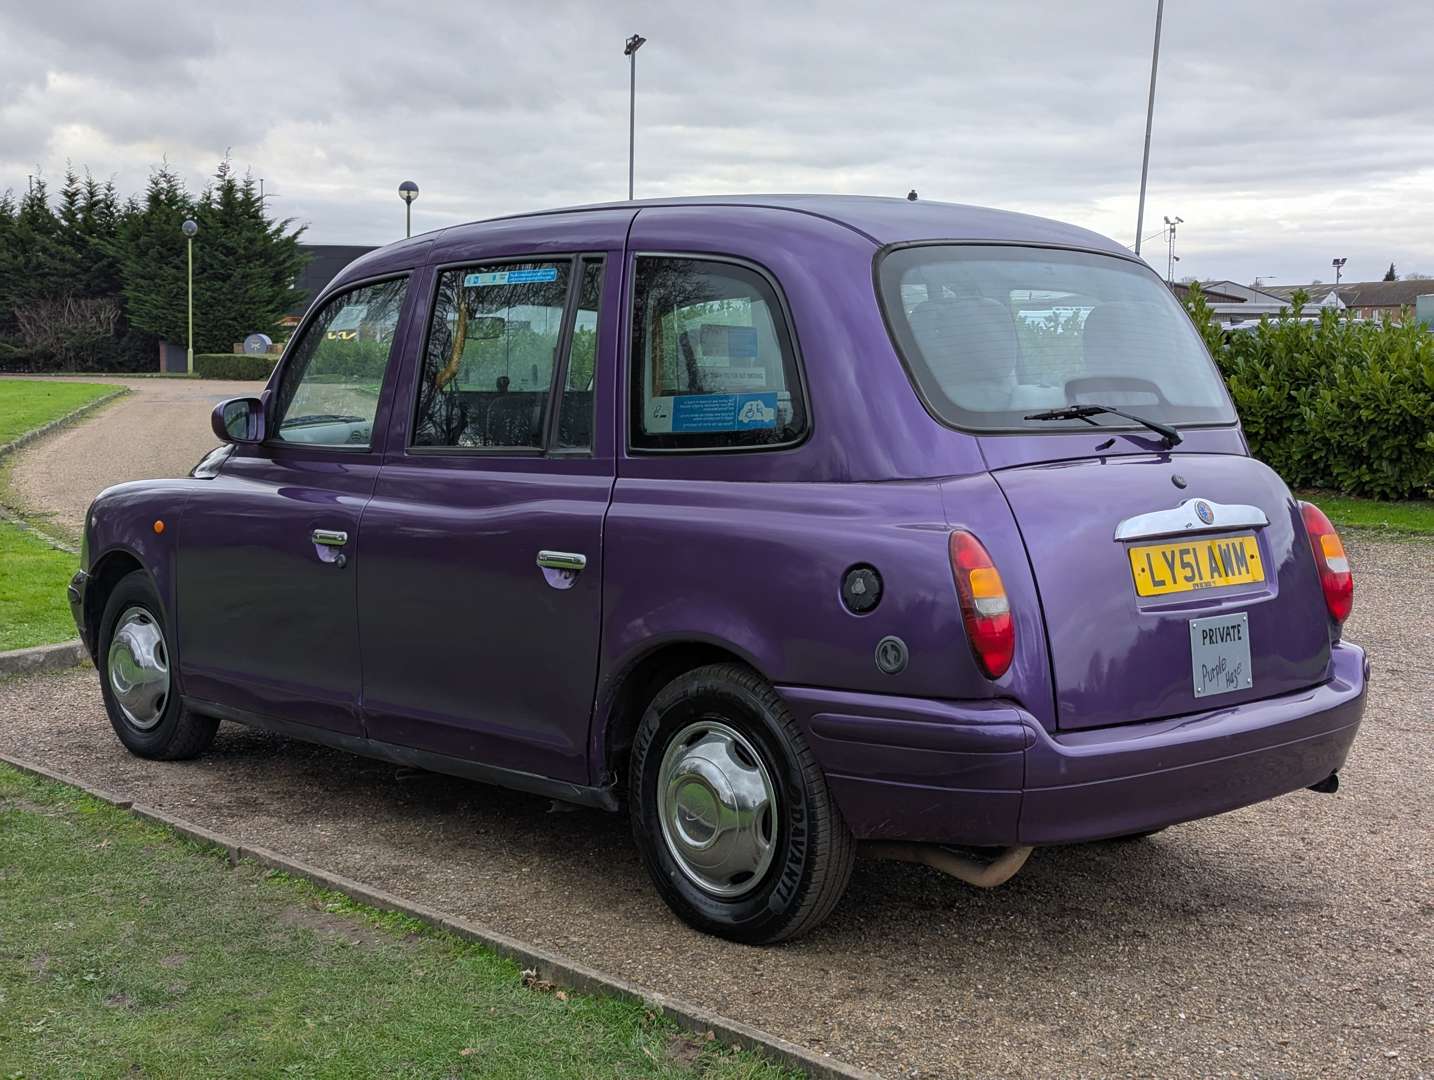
(983, 875)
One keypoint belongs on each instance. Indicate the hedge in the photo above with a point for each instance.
(1333, 403)
(234, 365)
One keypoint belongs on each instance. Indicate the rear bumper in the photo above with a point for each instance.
(986, 773)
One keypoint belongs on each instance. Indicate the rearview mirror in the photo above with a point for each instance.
(239, 420)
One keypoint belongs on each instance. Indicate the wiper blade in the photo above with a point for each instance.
(321, 418)
(1085, 412)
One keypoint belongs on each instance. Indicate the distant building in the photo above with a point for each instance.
(1232, 303)
(1367, 299)
(325, 262)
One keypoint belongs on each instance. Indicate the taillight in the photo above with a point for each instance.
(984, 606)
(1331, 561)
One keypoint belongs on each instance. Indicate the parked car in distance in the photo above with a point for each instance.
(791, 524)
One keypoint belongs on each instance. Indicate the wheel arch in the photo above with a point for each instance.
(107, 572)
(639, 678)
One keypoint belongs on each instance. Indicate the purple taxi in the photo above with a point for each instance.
(797, 526)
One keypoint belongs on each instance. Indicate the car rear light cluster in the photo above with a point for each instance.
(984, 606)
(1331, 561)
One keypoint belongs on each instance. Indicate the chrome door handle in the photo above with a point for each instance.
(330, 537)
(562, 560)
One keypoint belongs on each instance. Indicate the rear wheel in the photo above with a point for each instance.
(137, 677)
(731, 812)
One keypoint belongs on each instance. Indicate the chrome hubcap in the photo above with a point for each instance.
(139, 668)
(718, 808)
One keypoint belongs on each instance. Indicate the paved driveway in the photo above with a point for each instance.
(160, 429)
(1290, 939)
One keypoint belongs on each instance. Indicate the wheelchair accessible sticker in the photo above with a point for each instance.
(510, 277)
(724, 412)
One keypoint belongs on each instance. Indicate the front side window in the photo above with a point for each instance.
(492, 350)
(328, 392)
(994, 334)
(713, 365)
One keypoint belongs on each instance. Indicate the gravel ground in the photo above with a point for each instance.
(1295, 938)
(160, 429)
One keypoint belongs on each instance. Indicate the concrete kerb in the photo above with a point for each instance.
(63, 421)
(38, 658)
(548, 965)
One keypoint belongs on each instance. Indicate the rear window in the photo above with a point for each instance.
(993, 334)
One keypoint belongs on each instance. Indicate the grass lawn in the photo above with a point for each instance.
(26, 404)
(33, 608)
(1415, 516)
(127, 951)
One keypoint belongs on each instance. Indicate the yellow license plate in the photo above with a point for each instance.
(1195, 564)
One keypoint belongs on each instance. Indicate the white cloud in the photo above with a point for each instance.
(1283, 136)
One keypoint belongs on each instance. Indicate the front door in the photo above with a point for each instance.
(480, 601)
(268, 556)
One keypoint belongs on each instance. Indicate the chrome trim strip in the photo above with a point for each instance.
(562, 560)
(1186, 518)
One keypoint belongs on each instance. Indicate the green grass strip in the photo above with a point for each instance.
(1415, 517)
(127, 951)
(26, 404)
(33, 607)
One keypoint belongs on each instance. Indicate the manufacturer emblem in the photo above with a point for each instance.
(1203, 511)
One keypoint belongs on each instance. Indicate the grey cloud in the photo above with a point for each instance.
(1279, 131)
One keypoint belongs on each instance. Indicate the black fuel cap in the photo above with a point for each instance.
(861, 589)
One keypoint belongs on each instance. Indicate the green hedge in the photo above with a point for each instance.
(234, 365)
(1333, 403)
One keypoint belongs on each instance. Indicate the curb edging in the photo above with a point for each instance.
(549, 965)
(38, 658)
(64, 421)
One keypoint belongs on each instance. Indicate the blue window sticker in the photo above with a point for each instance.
(510, 277)
(724, 412)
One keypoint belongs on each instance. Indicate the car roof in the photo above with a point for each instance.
(882, 220)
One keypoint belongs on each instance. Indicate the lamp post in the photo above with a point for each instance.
(408, 191)
(634, 43)
(1170, 257)
(1149, 116)
(1338, 265)
(189, 228)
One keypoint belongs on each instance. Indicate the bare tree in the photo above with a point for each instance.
(67, 327)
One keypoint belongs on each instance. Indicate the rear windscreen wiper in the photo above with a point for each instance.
(1085, 412)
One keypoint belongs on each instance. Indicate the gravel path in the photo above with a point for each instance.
(1290, 939)
(159, 429)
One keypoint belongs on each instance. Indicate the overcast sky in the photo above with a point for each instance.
(1285, 134)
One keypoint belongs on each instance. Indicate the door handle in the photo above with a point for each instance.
(562, 560)
(330, 537)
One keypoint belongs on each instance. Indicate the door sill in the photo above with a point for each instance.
(600, 798)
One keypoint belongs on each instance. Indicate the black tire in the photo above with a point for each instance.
(179, 733)
(813, 849)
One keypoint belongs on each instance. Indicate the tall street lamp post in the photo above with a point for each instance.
(1338, 265)
(189, 228)
(1149, 116)
(408, 191)
(630, 51)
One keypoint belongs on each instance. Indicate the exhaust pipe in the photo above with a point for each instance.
(1328, 786)
(983, 875)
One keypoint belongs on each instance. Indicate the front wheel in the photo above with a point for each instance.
(731, 812)
(137, 677)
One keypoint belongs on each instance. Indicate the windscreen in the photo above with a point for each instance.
(994, 334)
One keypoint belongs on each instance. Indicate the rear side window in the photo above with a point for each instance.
(713, 365)
(491, 358)
(994, 334)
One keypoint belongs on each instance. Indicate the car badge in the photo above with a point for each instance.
(1203, 512)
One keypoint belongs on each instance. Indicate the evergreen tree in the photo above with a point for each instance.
(36, 236)
(1390, 275)
(149, 251)
(9, 265)
(244, 266)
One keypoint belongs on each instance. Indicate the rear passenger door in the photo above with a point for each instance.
(480, 605)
